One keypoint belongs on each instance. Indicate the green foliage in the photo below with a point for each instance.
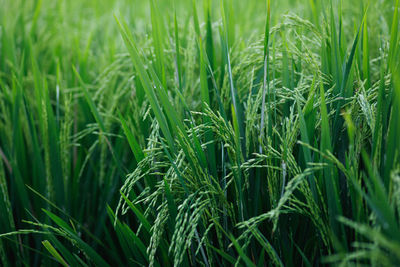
(199, 133)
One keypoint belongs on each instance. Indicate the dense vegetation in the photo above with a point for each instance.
(204, 133)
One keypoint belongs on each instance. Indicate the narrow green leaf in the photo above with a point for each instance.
(54, 252)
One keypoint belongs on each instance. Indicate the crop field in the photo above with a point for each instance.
(199, 133)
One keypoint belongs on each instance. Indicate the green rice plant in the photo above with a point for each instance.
(199, 133)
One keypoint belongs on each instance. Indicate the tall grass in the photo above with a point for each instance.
(203, 133)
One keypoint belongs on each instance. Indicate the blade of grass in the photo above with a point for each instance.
(54, 252)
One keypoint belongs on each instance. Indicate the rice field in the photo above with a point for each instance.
(199, 133)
